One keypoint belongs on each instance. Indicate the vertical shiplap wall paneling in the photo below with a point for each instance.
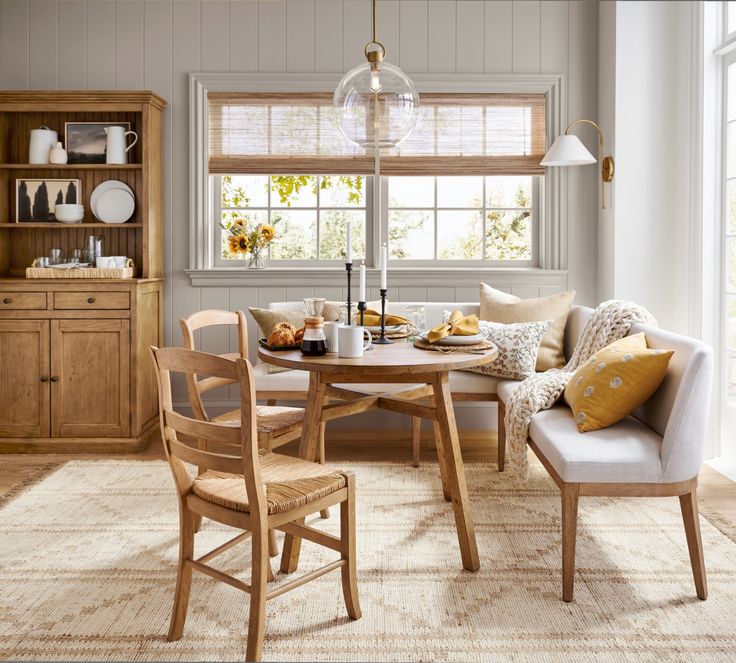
(243, 35)
(328, 22)
(43, 43)
(498, 21)
(554, 38)
(272, 35)
(413, 35)
(470, 47)
(129, 44)
(14, 39)
(101, 45)
(525, 36)
(300, 16)
(583, 183)
(388, 13)
(441, 35)
(72, 64)
(356, 32)
(215, 35)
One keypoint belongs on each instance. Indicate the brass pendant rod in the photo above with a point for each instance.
(374, 22)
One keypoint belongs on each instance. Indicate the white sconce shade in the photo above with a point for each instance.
(567, 150)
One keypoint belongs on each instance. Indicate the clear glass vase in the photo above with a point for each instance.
(257, 260)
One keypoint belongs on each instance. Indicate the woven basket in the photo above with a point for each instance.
(127, 272)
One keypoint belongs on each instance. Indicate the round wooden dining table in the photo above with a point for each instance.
(426, 394)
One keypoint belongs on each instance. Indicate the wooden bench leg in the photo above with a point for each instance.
(501, 436)
(570, 495)
(691, 519)
(416, 440)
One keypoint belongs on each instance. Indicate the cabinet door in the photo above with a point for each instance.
(90, 378)
(24, 380)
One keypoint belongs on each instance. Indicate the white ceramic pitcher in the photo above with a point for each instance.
(117, 150)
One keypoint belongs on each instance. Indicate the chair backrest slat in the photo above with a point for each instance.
(206, 459)
(203, 430)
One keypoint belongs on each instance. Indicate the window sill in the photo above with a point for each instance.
(397, 277)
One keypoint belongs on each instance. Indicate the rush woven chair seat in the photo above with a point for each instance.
(247, 488)
(289, 483)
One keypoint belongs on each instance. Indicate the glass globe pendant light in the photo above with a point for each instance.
(377, 104)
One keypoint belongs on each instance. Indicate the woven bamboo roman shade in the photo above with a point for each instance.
(457, 134)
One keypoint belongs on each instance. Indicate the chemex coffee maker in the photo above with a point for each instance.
(314, 342)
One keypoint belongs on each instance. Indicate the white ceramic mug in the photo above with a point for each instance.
(119, 262)
(351, 341)
(104, 262)
(331, 329)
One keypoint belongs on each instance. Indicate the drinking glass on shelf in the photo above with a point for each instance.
(55, 257)
(76, 255)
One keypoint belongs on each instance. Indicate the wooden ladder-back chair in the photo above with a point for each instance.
(277, 425)
(247, 488)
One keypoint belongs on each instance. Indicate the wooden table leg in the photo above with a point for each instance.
(309, 450)
(441, 460)
(455, 473)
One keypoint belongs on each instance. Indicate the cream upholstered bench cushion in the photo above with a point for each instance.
(289, 482)
(627, 452)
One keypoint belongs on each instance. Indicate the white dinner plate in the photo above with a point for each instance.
(459, 340)
(377, 330)
(115, 206)
(106, 186)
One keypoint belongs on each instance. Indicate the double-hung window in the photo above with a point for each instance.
(462, 190)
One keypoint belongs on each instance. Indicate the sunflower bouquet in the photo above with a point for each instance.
(247, 240)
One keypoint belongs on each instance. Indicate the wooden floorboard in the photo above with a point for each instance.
(716, 492)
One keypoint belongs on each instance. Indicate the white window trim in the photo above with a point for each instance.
(551, 244)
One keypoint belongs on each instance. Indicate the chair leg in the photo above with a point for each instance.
(259, 578)
(416, 441)
(184, 574)
(501, 436)
(689, 508)
(570, 495)
(325, 513)
(347, 551)
(273, 547)
(197, 521)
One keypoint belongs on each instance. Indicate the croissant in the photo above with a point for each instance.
(284, 325)
(299, 335)
(281, 336)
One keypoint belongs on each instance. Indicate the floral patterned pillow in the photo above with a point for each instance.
(517, 343)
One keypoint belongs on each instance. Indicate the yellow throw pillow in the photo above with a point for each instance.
(499, 306)
(615, 381)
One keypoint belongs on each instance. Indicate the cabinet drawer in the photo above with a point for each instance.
(91, 300)
(23, 300)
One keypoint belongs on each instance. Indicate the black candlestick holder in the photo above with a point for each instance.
(382, 340)
(349, 270)
(362, 307)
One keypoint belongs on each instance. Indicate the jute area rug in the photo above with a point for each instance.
(87, 568)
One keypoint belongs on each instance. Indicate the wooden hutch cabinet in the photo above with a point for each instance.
(75, 372)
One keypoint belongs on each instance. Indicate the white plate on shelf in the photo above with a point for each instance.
(458, 340)
(100, 189)
(115, 206)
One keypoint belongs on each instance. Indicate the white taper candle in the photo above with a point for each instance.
(361, 291)
(384, 265)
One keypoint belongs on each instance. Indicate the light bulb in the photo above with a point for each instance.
(375, 81)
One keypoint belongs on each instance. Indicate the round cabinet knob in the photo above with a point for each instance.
(45, 378)
(7, 300)
(54, 378)
(90, 300)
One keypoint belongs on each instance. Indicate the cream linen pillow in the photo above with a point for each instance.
(498, 306)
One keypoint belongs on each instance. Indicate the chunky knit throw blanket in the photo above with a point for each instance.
(610, 322)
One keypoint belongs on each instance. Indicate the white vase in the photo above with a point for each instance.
(57, 154)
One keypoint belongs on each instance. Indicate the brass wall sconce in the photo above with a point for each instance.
(567, 150)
